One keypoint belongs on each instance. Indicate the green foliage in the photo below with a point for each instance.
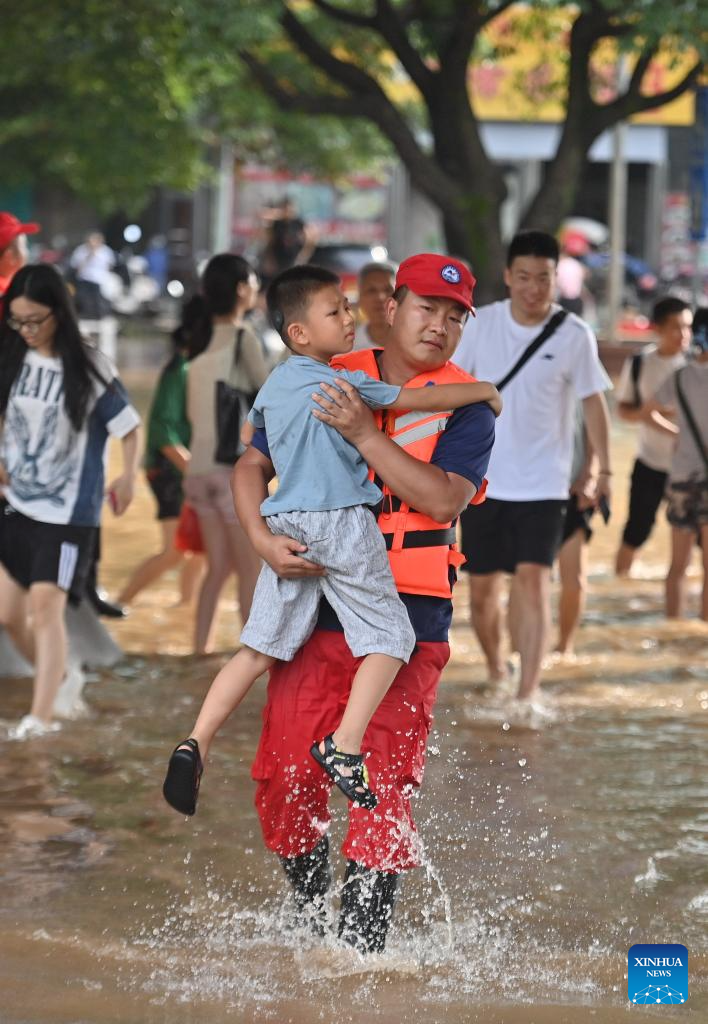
(115, 99)
(91, 94)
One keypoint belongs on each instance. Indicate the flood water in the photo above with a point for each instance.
(549, 853)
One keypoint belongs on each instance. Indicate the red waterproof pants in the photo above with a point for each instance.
(306, 698)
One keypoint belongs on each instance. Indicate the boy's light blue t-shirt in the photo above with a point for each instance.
(317, 469)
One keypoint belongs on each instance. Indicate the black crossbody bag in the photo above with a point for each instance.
(232, 406)
(550, 328)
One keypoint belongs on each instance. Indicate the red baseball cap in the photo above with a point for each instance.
(441, 277)
(11, 227)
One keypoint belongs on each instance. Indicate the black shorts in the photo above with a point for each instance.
(646, 491)
(576, 520)
(165, 482)
(498, 535)
(688, 504)
(34, 552)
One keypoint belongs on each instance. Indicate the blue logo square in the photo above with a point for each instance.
(657, 973)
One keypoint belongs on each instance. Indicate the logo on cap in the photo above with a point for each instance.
(451, 274)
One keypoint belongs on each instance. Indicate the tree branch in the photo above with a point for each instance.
(455, 56)
(340, 71)
(607, 115)
(640, 69)
(392, 28)
(297, 100)
(346, 17)
(373, 104)
(484, 19)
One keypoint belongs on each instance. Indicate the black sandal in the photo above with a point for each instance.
(355, 786)
(184, 773)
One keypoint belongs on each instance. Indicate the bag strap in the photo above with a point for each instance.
(550, 328)
(692, 425)
(635, 370)
(237, 347)
(232, 376)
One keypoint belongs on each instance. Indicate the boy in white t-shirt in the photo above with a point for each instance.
(641, 378)
(684, 395)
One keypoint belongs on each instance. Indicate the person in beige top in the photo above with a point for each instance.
(375, 289)
(229, 288)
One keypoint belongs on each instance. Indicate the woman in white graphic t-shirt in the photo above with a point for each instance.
(59, 401)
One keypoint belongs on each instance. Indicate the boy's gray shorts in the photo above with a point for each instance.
(358, 585)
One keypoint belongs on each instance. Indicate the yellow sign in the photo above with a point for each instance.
(518, 72)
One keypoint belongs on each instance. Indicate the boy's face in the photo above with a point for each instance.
(426, 329)
(327, 328)
(673, 335)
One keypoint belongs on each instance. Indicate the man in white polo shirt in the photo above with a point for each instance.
(518, 529)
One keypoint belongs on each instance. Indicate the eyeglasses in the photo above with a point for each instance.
(31, 326)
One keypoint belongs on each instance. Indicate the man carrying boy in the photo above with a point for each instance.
(641, 378)
(431, 466)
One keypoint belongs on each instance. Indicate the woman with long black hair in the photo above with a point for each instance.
(223, 347)
(60, 399)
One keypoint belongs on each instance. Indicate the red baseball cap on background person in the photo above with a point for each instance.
(575, 244)
(11, 227)
(440, 277)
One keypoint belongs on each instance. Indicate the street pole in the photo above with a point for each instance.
(224, 200)
(617, 212)
(699, 189)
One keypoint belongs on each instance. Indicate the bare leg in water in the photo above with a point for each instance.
(227, 550)
(487, 621)
(153, 567)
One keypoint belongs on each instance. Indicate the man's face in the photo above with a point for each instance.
(14, 256)
(376, 289)
(531, 281)
(673, 334)
(425, 330)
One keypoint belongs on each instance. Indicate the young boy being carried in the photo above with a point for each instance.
(324, 501)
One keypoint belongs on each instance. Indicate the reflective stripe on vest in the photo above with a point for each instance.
(418, 428)
(421, 551)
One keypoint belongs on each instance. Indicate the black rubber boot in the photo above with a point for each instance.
(368, 898)
(97, 598)
(310, 876)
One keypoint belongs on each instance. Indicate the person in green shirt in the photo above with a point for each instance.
(166, 458)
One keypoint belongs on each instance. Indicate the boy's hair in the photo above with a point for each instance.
(700, 328)
(533, 243)
(700, 318)
(670, 305)
(289, 294)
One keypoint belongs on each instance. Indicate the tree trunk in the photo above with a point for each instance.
(473, 230)
(556, 197)
(475, 236)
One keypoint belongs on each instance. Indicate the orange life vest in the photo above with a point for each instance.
(420, 550)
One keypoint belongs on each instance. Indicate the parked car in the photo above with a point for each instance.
(347, 259)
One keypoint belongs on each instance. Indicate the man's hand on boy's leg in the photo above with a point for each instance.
(283, 555)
